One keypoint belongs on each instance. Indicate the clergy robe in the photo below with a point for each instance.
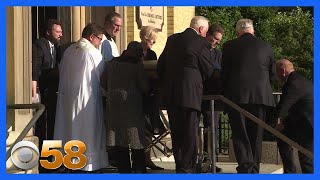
(79, 114)
(108, 48)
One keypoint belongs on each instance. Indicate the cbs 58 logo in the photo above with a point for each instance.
(74, 158)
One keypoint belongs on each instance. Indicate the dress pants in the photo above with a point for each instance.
(247, 137)
(44, 128)
(286, 153)
(207, 124)
(45, 124)
(184, 125)
(306, 162)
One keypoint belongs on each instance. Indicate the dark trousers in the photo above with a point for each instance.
(286, 154)
(247, 137)
(44, 129)
(207, 120)
(306, 162)
(184, 125)
(151, 107)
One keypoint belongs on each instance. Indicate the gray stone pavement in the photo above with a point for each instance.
(228, 167)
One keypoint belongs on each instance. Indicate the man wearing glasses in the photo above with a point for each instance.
(112, 25)
(79, 107)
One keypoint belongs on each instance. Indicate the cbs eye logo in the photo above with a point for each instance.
(74, 158)
(23, 158)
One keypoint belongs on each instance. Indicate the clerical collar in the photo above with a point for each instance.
(108, 36)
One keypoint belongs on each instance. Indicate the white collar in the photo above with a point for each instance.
(51, 44)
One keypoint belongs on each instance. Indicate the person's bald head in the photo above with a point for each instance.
(284, 68)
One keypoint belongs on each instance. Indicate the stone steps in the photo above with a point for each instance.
(270, 164)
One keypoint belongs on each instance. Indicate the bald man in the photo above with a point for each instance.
(295, 111)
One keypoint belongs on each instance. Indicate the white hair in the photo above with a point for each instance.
(199, 21)
(244, 25)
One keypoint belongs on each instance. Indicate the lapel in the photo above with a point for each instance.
(46, 43)
(48, 50)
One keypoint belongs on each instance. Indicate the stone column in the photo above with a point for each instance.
(75, 23)
(121, 39)
(64, 16)
(19, 44)
(73, 20)
(82, 18)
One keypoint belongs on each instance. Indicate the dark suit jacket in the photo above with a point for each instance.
(213, 85)
(248, 69)
(41, 64)
(216, 57)
(182, 67)
(297, 102)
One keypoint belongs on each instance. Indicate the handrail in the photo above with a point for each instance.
(260, 123)
(34, 119)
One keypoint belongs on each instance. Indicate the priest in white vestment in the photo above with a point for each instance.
(112, 26)
(79, 114)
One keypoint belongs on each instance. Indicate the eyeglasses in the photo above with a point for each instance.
(100, 39)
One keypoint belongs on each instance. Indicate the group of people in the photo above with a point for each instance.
(248, 69)
(95, 95)
(88, 89)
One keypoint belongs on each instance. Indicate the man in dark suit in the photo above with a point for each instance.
(248, 69)
(182, 67)
(45, 77)
(295, 111)
(212, 86)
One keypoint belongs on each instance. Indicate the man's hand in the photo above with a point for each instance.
(35, 95)
(36, 98)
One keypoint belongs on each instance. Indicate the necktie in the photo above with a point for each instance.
(53, 54)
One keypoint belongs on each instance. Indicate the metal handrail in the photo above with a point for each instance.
(34, 119)
(260, 123)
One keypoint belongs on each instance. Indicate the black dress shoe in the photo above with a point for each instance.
(218, 170)
(154, 167)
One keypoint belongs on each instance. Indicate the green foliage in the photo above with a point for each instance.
(225, 134)
(288, 29)
(292, 39)
(227, 17)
